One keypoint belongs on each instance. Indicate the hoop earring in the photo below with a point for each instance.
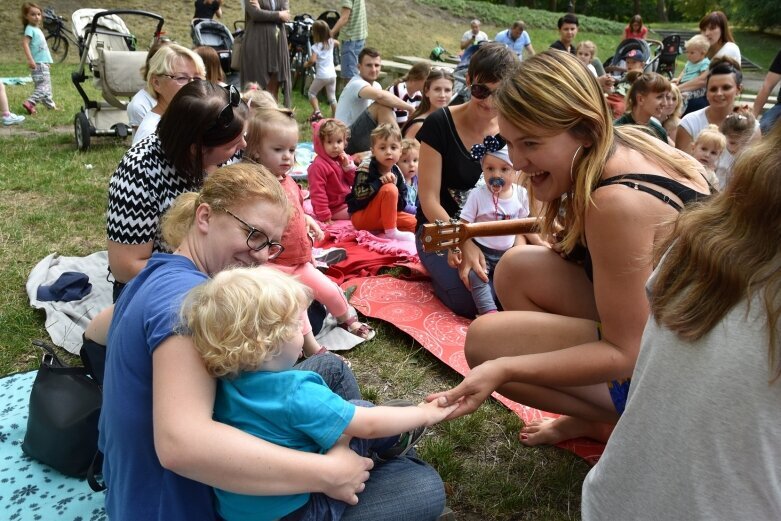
(572, 164)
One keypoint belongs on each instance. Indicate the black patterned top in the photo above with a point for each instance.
(141, 189)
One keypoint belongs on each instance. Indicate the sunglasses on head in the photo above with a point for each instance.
(225, 118)
(480, 91)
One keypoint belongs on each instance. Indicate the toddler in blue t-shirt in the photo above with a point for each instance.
(245, 324)
(36, 52)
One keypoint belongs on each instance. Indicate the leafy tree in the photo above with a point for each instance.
(763, 14)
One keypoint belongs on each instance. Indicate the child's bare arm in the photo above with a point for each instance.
(28, 54)
(376, 422)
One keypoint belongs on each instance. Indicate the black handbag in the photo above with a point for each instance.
(62, 424)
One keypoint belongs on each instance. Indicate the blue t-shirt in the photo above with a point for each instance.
(516, 45)
(144, 316)
(692, 70)
(38, 47)
(294, 409)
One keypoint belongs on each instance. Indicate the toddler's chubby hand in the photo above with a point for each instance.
(313, 228)
(390, 177)
(437, 410)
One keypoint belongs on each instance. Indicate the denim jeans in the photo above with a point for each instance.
(402, 489)
(483, 292)
(350, 51)
(769, 118)
(447, 285)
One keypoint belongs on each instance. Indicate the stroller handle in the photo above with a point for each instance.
(98, 16)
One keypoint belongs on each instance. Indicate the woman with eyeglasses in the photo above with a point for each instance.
(437, 92)
(447, 170)
(171, 68)
(162, 450)
(202, 128)
(568, 338)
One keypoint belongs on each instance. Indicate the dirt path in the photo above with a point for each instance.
(19, 130)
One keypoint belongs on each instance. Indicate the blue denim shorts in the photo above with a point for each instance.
(350, 51)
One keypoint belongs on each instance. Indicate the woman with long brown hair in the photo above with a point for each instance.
(568, 337)
(437, 91)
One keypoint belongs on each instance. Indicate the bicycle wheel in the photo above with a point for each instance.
(58, 47)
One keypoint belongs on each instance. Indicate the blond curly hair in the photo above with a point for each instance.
(239, 319)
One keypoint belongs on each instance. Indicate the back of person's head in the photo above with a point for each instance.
(192, 121)
(725, 65)
(165, 62)
(333, 128)
(418, 72)
(387, 132)
(717, 19)
(408, 145)
(321, 33)
(371, 52)
(739, 124)
(241, 317)
(711, 137)
(492, 62)
(211, 62)
(257, 98)
(698, 42)
(264, 121)
(144, 70)
(552, 92)
(226, 187)
(647, 83)
(568, 18)
(725, 251)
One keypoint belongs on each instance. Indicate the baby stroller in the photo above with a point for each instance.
(108, 52)
(616, 64)
(299, 39)
(671, 48)
(214, 34)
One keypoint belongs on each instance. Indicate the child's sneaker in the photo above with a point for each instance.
(51, 106)
(12, 119)
(407, 440)
(29, 106)
(357, 328)
(316, 116)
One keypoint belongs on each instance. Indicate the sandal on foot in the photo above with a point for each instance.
(29, 106)
(352, 325)
(407, 440)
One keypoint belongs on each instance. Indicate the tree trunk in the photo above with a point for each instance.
(636, 7)
(661, 11)
(552, 5)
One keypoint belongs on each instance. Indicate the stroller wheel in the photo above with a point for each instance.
(81, 128)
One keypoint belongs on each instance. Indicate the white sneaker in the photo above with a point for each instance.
(12, 119)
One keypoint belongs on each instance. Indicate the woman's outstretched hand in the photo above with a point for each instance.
(350, 472)
(476, 387)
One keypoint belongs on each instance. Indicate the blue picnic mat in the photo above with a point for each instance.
(30, 490)
(18, 80)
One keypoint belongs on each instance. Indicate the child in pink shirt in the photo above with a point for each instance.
(332, 172)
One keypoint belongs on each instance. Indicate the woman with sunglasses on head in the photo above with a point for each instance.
(569, 335)
(163, 452)
(447, 170)
(202, 128)
(437, 91)
(171, 68)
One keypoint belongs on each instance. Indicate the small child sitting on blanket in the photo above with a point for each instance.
(244, 323)
(379, 194)
(499, 199)
(332, 172)
(408, 164)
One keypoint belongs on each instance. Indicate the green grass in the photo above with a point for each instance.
(51, 201)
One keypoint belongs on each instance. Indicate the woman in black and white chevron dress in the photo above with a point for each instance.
(202, 128)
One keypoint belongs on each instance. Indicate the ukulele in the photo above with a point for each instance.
(440, 236)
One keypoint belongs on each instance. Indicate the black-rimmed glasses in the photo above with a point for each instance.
(182, 79)
(226, 115)
(257, 239)
(480, 91)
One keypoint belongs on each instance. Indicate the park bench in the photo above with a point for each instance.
(412, 60)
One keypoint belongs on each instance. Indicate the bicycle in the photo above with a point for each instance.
(59, 37)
